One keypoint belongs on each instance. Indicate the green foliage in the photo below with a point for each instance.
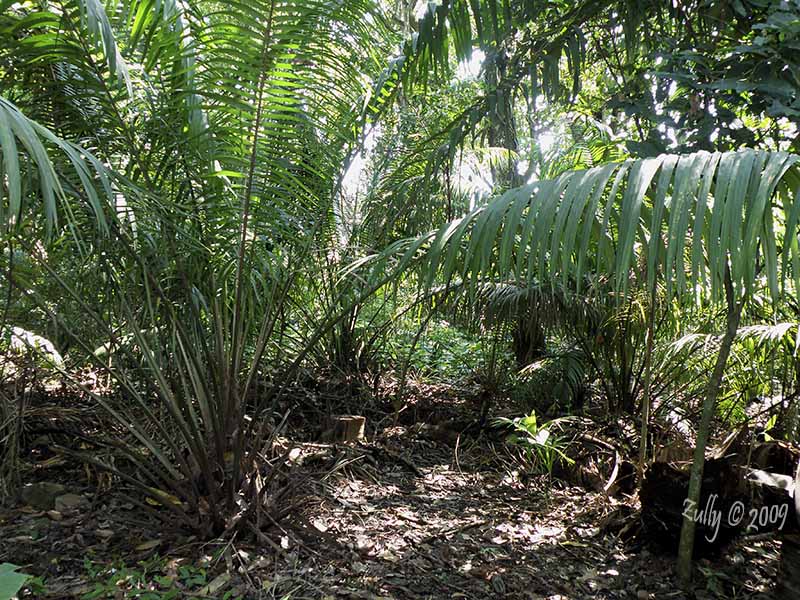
(194, 201)
(36, 177)
(584, 223)
(10, 581)
(554, 383)
(403, 195)
(541, 445)
(173, 191)
(609, 238)
(442, 352)
(738, 83)
(152, 579)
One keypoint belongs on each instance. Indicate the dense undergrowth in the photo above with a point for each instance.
(225, 225)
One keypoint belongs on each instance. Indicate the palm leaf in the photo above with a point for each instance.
(680, 242)
(22, 136)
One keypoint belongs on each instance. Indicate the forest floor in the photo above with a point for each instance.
(404, 515)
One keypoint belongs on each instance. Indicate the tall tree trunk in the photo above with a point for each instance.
(709, 404)
(502, 125)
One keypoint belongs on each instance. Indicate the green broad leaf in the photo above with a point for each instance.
(596, 180)
(658, 210)
(543, 229)
(559, 240)
(698, 275)
(534, 206)
(511, 227)
(10, 167)
(687, 177)
(10, 581)
(688, 218)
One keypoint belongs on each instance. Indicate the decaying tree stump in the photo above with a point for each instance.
(663, 493)
(345, 429)
(788, 587)
(735, 499)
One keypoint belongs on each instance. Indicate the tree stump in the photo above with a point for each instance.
(344, 429)
(788, 587)
(788, 573)
(728, 481)
(663, 493)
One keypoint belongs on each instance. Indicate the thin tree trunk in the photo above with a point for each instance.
(648, 375)
(709, 404)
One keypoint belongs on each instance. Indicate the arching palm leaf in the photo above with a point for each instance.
(680, 218)
(35, 163)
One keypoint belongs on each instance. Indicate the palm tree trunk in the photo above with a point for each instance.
(502, 126)
(709, 404)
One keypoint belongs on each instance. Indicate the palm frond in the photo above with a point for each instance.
(686, 217)
(30, 172)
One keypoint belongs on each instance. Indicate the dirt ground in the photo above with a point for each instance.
(401, 516)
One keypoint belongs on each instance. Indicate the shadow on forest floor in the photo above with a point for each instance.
(404, 516)
(469, 529)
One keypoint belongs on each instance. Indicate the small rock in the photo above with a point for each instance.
(104, 533)
(642, 595)
(55, 515)
(67, 502)
(42, 495)
(319, 525)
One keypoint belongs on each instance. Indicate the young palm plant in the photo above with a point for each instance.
(211, 139)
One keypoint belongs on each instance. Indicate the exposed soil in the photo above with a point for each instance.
(402, 516)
